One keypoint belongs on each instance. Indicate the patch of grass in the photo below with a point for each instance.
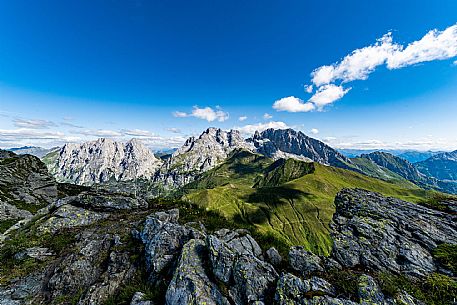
(345, 283)
(436, 289)
(437, 201)
(125, 294)
(6, 224)
(32, 208)
(296, 212)
(446, 254)
(24, 238)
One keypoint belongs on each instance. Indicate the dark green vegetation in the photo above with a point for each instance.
(278, 201)
(436, 289)
(28, 237)
(440, 201)
(6, 224)
(446, 254)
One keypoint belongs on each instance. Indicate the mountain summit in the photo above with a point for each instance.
(286, 143)
(101, 160)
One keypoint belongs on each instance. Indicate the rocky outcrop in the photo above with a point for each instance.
(163, 238)
(190, 284)
(25, 179)
(102, 160)
(387, 234)
(288, 143)
(25, 186)
(68, 216)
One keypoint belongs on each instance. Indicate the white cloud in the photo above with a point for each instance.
(33, 124)
(25, 133)
(314, 131)
(455, 63)
(309, 88)
(180, 114)
(435, 45)
(174, 130)
(242, 118)
(250, 129)
(327, 94)
(100, 133)
(207, 113)
(359, 64)
(267, 116)
(137, 133)
(292, 104)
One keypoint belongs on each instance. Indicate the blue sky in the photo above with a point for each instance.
(161, 71)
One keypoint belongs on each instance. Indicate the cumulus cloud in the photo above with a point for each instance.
(174, 130)
(309, 88)
(327, 94)
(357, 65)
(292, 104)
(209, 114)
(267, 116)
(180, 114)
(314, 131)
(33, 124)
(138, 133)
(250, 129)
(435, 45)
(100, 133)
(242, 118)
(328, 80)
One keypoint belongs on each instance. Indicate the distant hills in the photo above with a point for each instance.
(39, 152)
(442, 166)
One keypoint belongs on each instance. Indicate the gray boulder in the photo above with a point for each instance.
(254, 280)
(69, 216)
(38, 253)
(273, 256)
(221, 257)
(163, 238)
(119, 271)
(290, 290)
(387, 234)
(80, 270)
(304, 261)
(240, 242)
(190, 284)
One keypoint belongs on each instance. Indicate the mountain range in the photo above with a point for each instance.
(103, 160)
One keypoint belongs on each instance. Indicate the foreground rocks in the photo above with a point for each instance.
(229, 267)
(387, 234)
(184, 263)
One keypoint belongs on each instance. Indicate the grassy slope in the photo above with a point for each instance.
(297, 212)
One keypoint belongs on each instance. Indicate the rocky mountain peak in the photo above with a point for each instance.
(200, 154)
(289, 143)
(103, 159)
